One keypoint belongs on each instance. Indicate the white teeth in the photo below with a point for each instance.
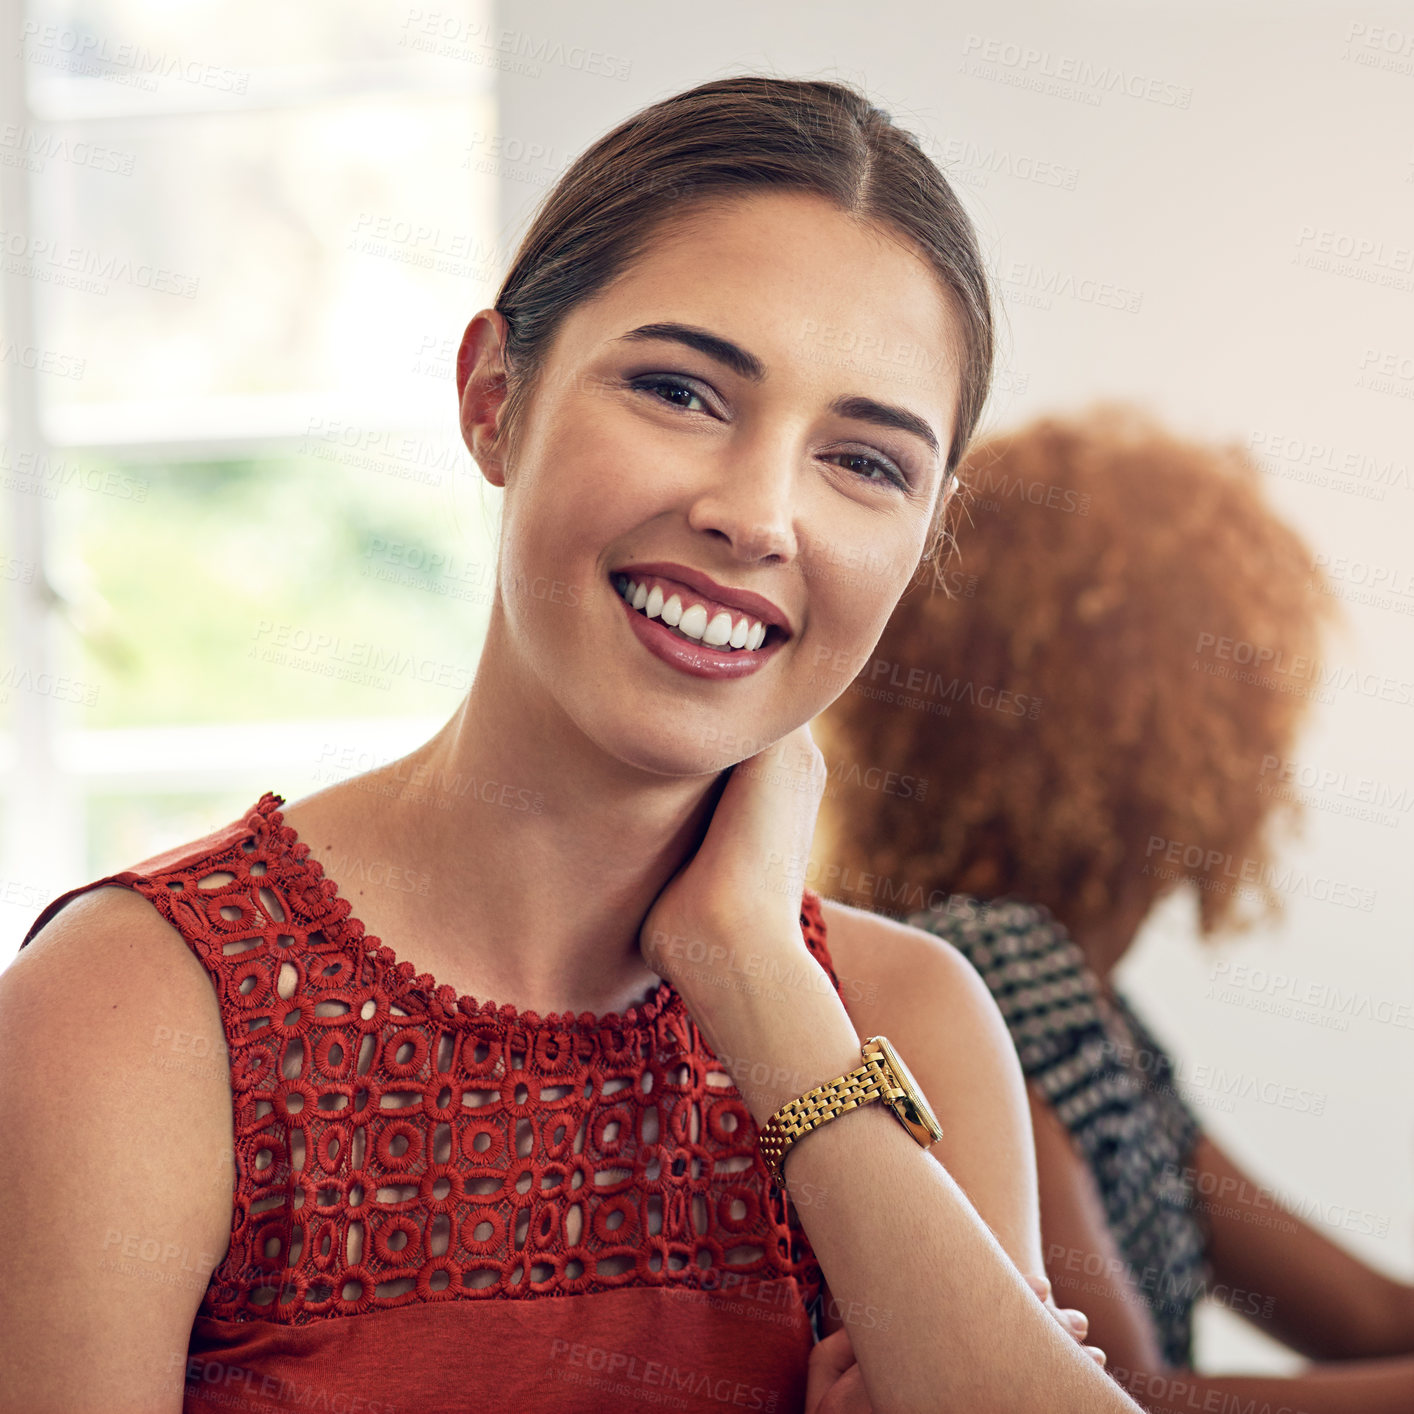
(693, 622)
(723, 631)
(719, 630)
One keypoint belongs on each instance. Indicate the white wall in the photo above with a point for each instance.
(1272, 131)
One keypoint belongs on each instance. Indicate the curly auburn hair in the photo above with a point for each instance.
(1081, 705)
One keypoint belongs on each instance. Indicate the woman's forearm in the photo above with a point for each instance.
(938, 1315)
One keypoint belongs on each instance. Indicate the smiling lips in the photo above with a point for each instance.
(690, 615)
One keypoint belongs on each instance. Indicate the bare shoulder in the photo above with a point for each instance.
(115, 1101)
(109, 960)
(890, 970)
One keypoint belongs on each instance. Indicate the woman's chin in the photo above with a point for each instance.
(679, 754)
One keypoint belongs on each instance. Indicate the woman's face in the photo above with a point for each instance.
(714, 471)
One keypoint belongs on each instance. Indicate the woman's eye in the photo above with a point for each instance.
(664, 387)
(672, 385)
(889, 473)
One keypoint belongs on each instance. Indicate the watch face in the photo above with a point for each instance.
(922, 1116)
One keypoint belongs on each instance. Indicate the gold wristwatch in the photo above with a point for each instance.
(883, 1076)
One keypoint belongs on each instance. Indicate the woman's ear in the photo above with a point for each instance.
(481, 391)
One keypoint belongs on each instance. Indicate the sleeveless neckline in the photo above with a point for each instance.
(641, 1017)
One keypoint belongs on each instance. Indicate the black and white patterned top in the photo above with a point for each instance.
(1112, 1086)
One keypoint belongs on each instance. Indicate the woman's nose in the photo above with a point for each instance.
(750, 499)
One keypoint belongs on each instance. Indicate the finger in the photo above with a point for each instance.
(828, 1361)
(847, 1395)
(1095, 1353)
(1078, 1320)
(1041, 1286)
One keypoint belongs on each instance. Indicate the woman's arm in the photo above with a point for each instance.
(1088, 1271)
(116, 1164)
(932, 1293)
(886, 966)
(1324, 1302)
(1083, 1259)
(875, 980)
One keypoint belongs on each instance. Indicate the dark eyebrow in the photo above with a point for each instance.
(886, 415)
(735, 357)
(747, 365)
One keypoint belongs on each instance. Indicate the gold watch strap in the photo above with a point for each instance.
(818, 1106)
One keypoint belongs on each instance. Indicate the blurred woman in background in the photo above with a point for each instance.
(1069, 743)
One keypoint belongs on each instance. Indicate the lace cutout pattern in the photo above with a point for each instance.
(396, 1144)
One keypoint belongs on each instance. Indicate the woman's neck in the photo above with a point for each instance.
(544, 853)
(1106, 941)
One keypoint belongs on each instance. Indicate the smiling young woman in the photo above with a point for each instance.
(558, 1199)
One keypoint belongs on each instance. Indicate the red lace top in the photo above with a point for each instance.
(452, 1206)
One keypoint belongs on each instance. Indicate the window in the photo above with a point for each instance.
(245, 548)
